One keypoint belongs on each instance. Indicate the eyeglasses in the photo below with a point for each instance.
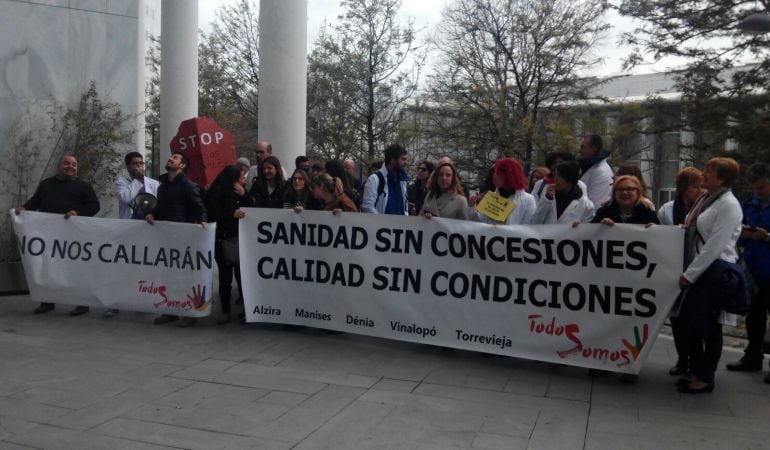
(625, 189)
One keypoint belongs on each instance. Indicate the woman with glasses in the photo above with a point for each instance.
(626, 205)
(298, 193)
(416, 192)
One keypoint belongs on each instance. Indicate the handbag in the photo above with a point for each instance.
(230, 250)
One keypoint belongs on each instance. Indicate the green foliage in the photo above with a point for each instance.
(721, 100)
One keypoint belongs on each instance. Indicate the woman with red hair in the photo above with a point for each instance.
(510, 182)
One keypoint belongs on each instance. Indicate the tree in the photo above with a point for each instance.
(720, 100)
(96, 131)
(358, 80)
(502, 64)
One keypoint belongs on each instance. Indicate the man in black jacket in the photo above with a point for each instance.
(63, 193)
(179, 200)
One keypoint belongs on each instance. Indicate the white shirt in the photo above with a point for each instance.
(128, 189)
(578, 210)
(598, 180)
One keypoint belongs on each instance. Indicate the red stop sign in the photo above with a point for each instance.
(209, 147)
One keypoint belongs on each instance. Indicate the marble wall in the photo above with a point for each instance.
(52, 49)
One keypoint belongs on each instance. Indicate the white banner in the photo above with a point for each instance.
(127, 264)
(592, 296)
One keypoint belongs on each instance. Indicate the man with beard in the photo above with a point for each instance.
(179, 200)
(63, 193)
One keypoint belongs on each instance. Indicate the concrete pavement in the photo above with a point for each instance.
(90, 382)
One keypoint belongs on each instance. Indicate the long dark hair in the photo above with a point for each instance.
(224, 182)
(279, 181)
(293, 197)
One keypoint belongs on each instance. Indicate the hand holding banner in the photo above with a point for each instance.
(127, 264)
(591, 296)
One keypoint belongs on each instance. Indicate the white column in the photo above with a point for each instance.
(141, 51)
(283, 77)
(178, 68)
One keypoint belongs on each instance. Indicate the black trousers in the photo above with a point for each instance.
(226, 272)
(679, 331)
(756, 322)
(700, 318)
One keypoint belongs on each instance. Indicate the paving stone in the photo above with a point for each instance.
(53, 438)
(560, 428)
(214, 364)
(100, 412)
(181, 437)
(499, 441)
(11, 446)
(320, 376)
(349, 429)
(601, 440)
(389, 384)
(308, 416)
(30, 410)
(10, 426)
(275, 382)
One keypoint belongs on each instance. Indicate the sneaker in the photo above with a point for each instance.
(79, 311)
(187, 322)
(44, 308)
(112, 312)
(165, 318)
(745, 365)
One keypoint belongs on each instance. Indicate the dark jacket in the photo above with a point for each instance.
(179, 200)
(220, 207)
(756, 253)
(416, 193)
(263, 199)
(54, 195)
(641, 215)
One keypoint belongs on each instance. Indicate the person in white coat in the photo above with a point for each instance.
(564, 201)
(551, 159)
(596, 172)
(128, 187)
(713, 226)
(510, 182)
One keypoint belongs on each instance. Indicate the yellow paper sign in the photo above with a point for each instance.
(496, 207)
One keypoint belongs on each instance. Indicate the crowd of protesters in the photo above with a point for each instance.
(567, 190)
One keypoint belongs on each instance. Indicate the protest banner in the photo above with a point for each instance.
(591, 296)
(127, 264)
